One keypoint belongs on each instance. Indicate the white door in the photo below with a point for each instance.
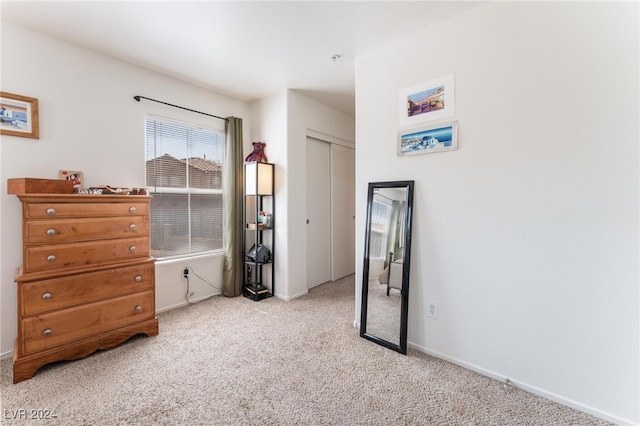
(343, 211)
(318, 212)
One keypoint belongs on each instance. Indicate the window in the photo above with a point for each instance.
(380, 218)
(184, 165)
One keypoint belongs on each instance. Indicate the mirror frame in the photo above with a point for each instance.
(406, 266)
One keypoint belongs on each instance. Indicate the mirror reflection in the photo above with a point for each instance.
(385, 285)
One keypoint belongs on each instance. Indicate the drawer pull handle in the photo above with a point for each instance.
(47, 332)
(132, 249)
(51, 258)
(51, 211)
(132, 209)
(139, 308)
(47, 296)
(138, 278)
(132, 226)
(51, 232)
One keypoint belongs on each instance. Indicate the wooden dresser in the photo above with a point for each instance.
(87, 281)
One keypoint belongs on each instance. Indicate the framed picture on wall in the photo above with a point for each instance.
(437, 137)
(18, 116)
(431, 100)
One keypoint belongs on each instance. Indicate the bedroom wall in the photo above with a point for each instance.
(283, 121)
(307, 117)
(269, 125)
(527, 235)
(89, 122)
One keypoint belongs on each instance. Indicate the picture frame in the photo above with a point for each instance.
(428, 139)
(428, 101)
(19, 116)
(75, 176)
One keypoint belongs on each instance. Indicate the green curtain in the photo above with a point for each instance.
(233, 256)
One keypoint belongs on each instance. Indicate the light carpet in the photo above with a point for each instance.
(232, 361)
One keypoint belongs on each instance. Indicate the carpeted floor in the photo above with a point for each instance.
(384, 312)
(238, 362)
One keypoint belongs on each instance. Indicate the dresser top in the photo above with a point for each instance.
(83, 198)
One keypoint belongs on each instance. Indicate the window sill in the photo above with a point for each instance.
(182, 259)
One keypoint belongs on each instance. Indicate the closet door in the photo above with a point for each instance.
(318, 212)
(343, 211)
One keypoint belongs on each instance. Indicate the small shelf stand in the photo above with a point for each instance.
(258, 243)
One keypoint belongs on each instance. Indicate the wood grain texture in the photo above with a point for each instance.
(87, 282)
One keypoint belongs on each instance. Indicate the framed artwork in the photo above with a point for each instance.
(431, 100)
(74, 176)
(18, 116)
(428, 139)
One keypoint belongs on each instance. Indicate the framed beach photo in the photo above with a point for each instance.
(439, 137)
(431, 100)
(18, 116)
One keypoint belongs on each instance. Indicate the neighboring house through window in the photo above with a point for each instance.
(184, 175)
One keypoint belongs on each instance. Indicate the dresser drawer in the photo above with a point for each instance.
(60, 327)
(66, 230)
(48, 295)
(84, 254)
(50, 210)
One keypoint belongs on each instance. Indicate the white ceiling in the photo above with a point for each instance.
(244, 49)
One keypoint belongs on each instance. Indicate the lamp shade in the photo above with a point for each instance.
(258, 178)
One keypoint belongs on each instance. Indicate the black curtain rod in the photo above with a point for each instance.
(138, 97)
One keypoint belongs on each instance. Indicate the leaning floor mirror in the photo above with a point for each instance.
(387, 259)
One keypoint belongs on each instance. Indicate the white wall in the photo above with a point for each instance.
(89, 122)
(283, 121)
(269, 125)
(527, 235)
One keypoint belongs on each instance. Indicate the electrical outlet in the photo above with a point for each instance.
(433, 310)
(185, 273)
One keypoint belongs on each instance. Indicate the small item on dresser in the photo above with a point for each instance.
(39, 186)
(93, 190)
(106, 189)
(75, 176)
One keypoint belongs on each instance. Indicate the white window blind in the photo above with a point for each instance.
(184, 165)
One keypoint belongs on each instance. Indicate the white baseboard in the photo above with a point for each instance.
(185, 303)
(295, 296)
(529, 388)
